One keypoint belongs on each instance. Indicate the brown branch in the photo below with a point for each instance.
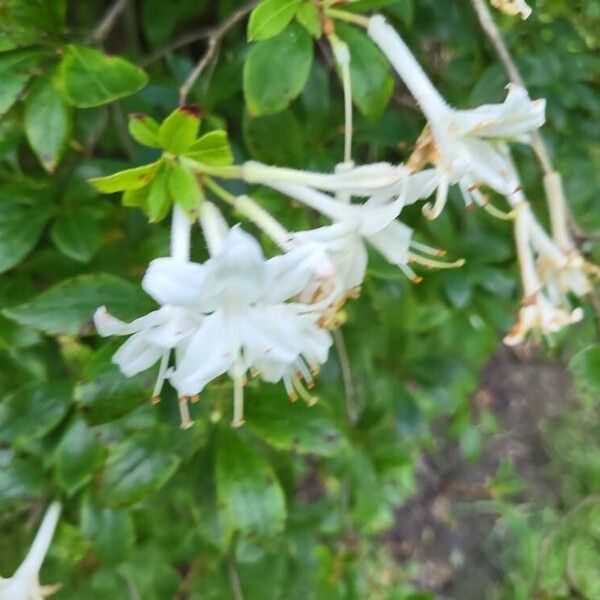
(214, 39)
(108, 21)
(180, 42)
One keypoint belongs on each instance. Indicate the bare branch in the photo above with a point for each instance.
(214, 39)
(108, 21)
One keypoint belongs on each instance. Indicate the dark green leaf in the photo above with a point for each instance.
(91, 78)
(33, 410)
(585, 366)
(77, 234)
(78, 455)
(276, 70)
(372, 82)
(21, 226)
(70, 305)
(136, 468)
(249, 496)
(11, 88)
(47, 122)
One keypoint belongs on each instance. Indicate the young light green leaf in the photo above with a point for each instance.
(249, 495)
(372, 82)
(69, 306)
(91, 78)
(11, 88)
(308, 16)
(77, 234)
(179, 130)
(212, 148)
(21, 226)
(271, 17)
(136, 468)
(33, 410)
(184, 188)
(78, 455)
(144, 130)
(276, 70)
(129, 179)
(159, 197)
(47, 122)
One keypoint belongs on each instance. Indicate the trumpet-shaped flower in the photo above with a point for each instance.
(466, 146)
(25, 584)
(513, 7)
(246, 321)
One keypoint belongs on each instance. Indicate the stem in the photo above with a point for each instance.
(526, 262)
(348, 17)
(230, 172)
(342, 57)
(402, 59)
(557, 206)
(214, 39)
(35, 557)
(108, 21)
(180, 235)
(255, 213)
(347, 377)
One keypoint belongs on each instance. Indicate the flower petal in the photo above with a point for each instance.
(393, 242)
(170, 281)
(137, 354)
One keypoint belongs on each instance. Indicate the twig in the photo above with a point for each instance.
(234, 579)
(109, 20)
(214, 39)
(347, 377)
(493, 34)
(180, 42)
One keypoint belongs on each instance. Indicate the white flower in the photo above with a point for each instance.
(466, 146)
(362, 181)
(24, 584)
(513, 7)
(546, 281)
(373, 222)
(246, 321)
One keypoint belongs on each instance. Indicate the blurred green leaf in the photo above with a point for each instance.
(127, 180)
(70, 305)
(77, 234)
(249, 496)
(585, 366)
(91, 78)
(271, 17)
(144, 130)
(276, 70)
(212, 148)
(179, 130)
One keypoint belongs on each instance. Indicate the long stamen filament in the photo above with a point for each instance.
(184, 411)
(238, 402)
(160, 380)
(434, 264)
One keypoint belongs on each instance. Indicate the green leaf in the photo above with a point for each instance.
(184, 188)
(372, 82)
(136, 468)
(144, 130)
(159, 198)
(19, 478)
(129, 179)
(21, 226)
(77, 234)
(33, 410)
(110, 530)
(47, 122)
(249, 496)
(276, 70)
(583, 567)
(271, 17)
(370, 5)
(91, 78)
(11, 88)
(288, 147)
(585, 366)
(78, 455)
(69, 306)
(308, 16)
(213, 149)
(294, 426)
(104, 393)
(180, 129)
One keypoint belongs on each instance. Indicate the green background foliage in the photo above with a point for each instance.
(298, 503)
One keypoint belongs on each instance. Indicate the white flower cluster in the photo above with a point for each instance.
(241, 314)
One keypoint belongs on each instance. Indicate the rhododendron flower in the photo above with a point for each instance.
(25, 584)
(466, 146)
